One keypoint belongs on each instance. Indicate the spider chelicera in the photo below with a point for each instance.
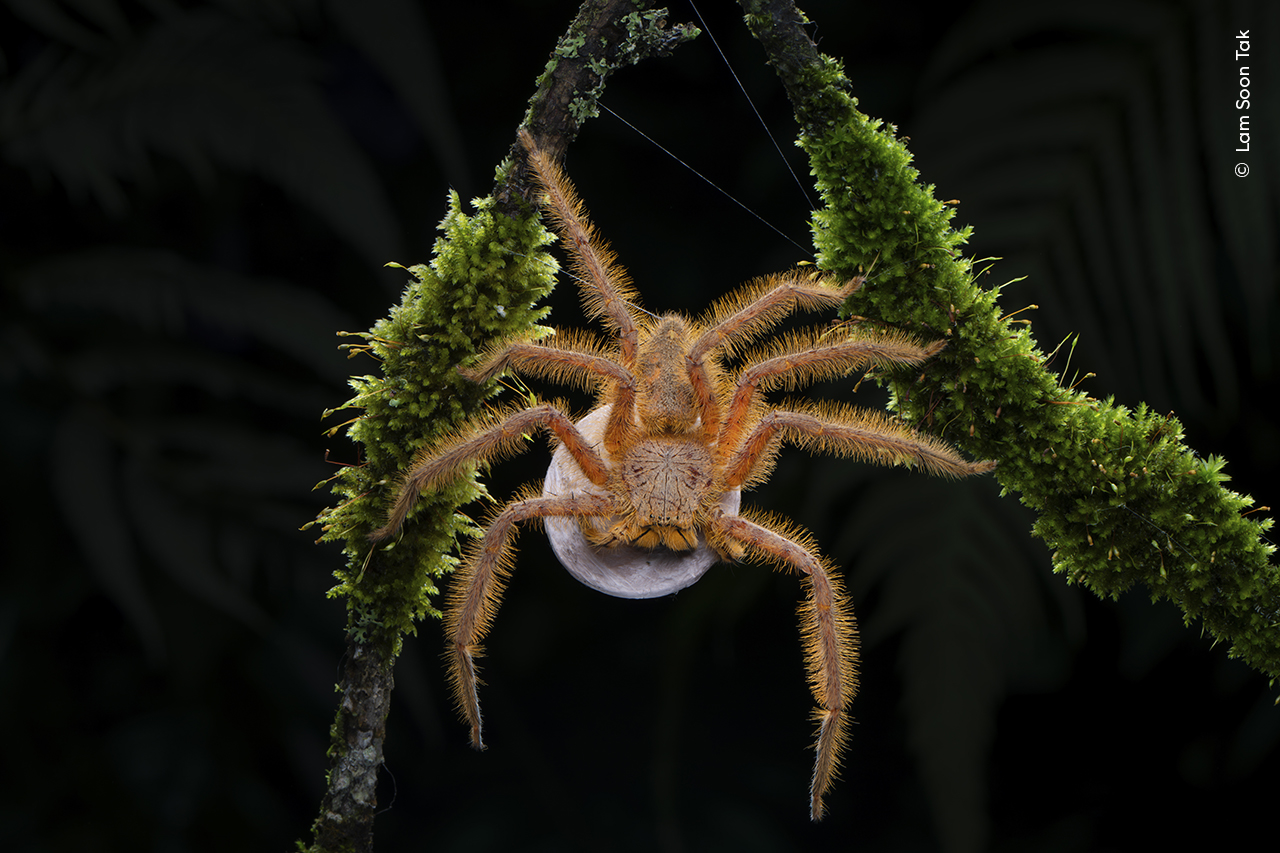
(681, 426)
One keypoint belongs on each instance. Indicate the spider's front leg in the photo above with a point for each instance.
(826, 625)
(607, 292)
(474, 594)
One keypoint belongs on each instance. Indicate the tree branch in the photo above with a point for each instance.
(606, 36)
(488, 273)
(1121, 500)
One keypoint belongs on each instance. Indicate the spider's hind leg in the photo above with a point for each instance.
(474, 595)
(826, 627)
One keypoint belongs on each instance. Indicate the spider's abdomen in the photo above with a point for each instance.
(666, 480)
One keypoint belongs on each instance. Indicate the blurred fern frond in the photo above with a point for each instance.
(1095, 144)
(168, 445)
(98, 110)
(967, 607)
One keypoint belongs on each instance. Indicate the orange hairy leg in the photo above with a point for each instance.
(607, 294)
(805, 358)
(843, 431)
(826, 626)
(501, 434)
(570, 358)
(474, 594)
(747, 313)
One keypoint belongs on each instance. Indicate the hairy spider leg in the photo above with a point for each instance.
(571, 358)
(806, 357)
(474, 594)
(827, 629)
(843, 431)
(499, 434)
(746, 313)
(568, 357)
(607, 292)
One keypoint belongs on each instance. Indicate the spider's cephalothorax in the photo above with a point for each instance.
(681, 431)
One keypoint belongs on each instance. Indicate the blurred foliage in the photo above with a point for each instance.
(1106, 142)
(198, 195)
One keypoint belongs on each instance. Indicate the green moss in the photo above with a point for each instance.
(1122, 502)
(486, 276)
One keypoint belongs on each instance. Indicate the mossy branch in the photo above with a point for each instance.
(1122, 501)
(487, 275)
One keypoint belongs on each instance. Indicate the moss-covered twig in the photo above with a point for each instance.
(605, 36)
(1121, 500)
(488, 272)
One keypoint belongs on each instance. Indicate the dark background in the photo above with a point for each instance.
(197, 196)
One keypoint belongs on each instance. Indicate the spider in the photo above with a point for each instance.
(675, 434)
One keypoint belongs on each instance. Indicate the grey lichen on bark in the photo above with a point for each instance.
(605, 36)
